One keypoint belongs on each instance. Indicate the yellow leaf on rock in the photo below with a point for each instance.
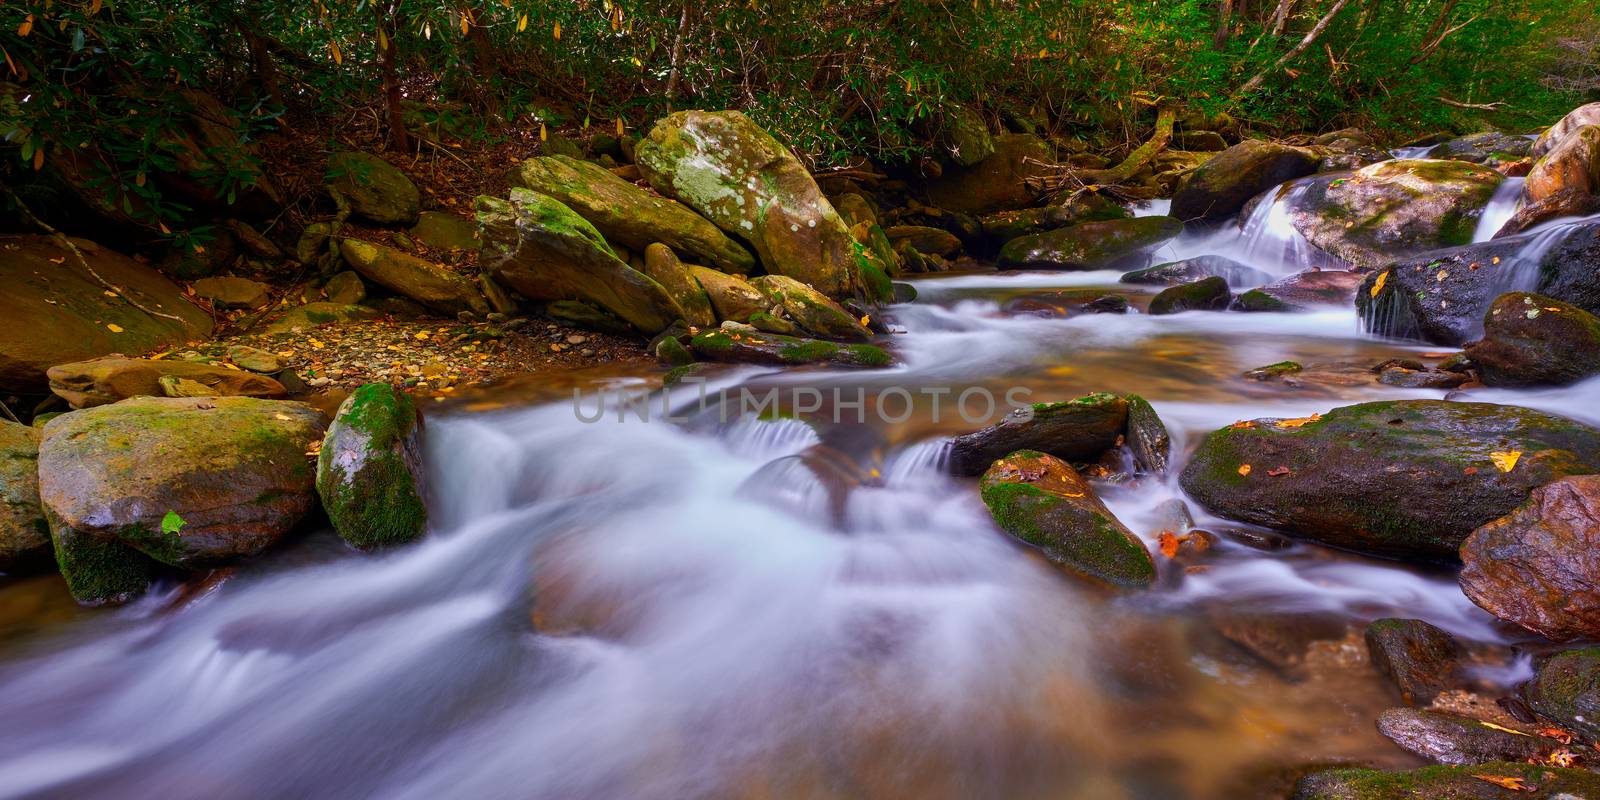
(1500, 728)
(1244, 469)
(1377, 285)
(1507, 460)
(113, 327)
(1295, 423)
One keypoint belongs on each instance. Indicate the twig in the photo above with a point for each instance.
(84, 262)
(1495, 106)
(9, 414)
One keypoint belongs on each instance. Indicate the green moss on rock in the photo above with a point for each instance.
(369, 471)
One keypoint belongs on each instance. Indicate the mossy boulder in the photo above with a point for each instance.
(189, 482)
(1459, 741)
(1206, 294)
(855, 209)
(369, 472)
(107, 380)
(1486, 146)
(663, 267)
(735, 174)
(1003, 226)
(1074, 430)
(732, 298)
(404, 274)
(1533, 340)
(1188, 270)
(24, 533)
(1419, 658)
(1395, 209)
(1402, 479)
(442, 230)
(630, 216)
(936, 241)
(758, 347)
(877, 260)
(963, 135)
(1572, 165)
(543, 249)
(999, 182)
(47, 290)
(374, 189)
(1536, 566)
(812, 311)
(311, 315)
(1566, 691)
(1221, 187)
(1043, 501)
(1106, 244)
(1446, 783)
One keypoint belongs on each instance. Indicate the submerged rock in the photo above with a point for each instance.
(1073, 430)
(1222, 186)
(1446, 783)
(373, 188)
(24, 533)
(735, 174)
(369, 471)
(189, 482)
(1043, 501)
(630, 216)
(107, 380)
(1193, 269)
(404, 274)
(1395, 209)
(1458, 741)
(541, 248)
(1532, 340)
(1206, 294)
(1420, 659)
(1566, 690)
(756, 347)
(1090, 245)
(1401, 479)
(1536, 566)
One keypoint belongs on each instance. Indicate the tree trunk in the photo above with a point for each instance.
(1280, 18)
(1219, 40)
(387, 55)
(677, 55)
(484, 66)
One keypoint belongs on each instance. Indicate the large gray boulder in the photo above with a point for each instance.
(1395, 209)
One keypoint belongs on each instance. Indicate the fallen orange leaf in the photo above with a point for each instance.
(1244, 469)
(1513, 783)
(1169, 544)
(1507, 460)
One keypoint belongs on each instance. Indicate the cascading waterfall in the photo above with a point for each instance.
(1507, 198)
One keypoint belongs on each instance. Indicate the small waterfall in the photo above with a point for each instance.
(1507, 198)
(1527, 263)
(1420, 151)
(916, 462)
(1265, 239)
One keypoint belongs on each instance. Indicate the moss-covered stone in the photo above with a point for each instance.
(663, 266)
(1404, 479)
(732, 298)
(1073, 430)
(409, 276)
(1566, 690)
(1223, 185)
(756, 347)
(99, 571)
(369, 472)
(373, 188)
(1043, 501)
(442, 230)
(311, 315)
(24, 533)
(1395, 209)
(1107, 244)
(1206, 294)
(1446, 783)
(1533, 340)
(811, 310)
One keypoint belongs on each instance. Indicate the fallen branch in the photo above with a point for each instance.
(1495, 106)
(1309, 39)
(1136, 160)
(84, 262)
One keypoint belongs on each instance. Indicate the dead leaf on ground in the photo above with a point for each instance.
(1513, 783)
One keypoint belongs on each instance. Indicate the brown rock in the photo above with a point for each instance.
(107, 380)
(1574, 164)
(231, 292)
(1539, 566)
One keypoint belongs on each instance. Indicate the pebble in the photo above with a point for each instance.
(577, 339)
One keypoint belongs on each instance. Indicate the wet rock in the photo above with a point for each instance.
(855, 210)
(1401, 479)
(1206, 294)
(1222, 186)
(1480, 147)
(1395, 209)
(876, 259)
(1073, 430)
(24, 533)
(442, 230)
(373, 188)
(1562, 203)
(1003, 226)
(542, 249)
(672, 352)
(1446, 783)
(255, 359)
(1147, 437)
(732, 298)
(423, 281)
(756, 347)
(1575, 120)
(1281, 640)
(106, 380)
(1203, 141)
(1306, 290)
(1042, 500)
(369, 471)
(999, 182)
(344, 288)
(311, 315)
(1409, 378)
(812, 311)
(1532, 340)
(1572, 165)
(1275, 371)
(925, 239)
(188, 482)
(1065, 303)
(724, 166)
(1420, 659)
(1090, 245)
(1536, 566)
(1457, 741)
(630, 216)
(1566, 690)
(231, 292)
(578, 314)
(663, 266)
(46, 289)
(1193, 269)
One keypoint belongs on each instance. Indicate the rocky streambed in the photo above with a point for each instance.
(1187, 500)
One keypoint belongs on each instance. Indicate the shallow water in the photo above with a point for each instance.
(743, 605)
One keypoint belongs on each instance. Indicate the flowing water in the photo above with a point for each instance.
(735, 604)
